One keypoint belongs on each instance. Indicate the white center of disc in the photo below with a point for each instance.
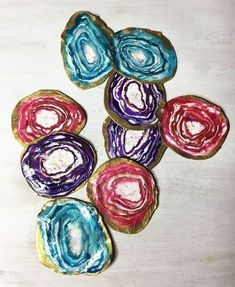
(129, 190)
(74, 237)
(134, 96)
(138, 56)
(194, 127)
(132, 138)
(89, 54)
(46, 118)
(58, 161)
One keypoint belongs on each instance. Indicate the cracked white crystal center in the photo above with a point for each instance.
(58, 161)
(134, 96)
(129, 190)
(46, 118)
(194, 127)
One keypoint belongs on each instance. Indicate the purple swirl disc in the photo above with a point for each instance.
(144, 146)
(58, 164)
(133, 104)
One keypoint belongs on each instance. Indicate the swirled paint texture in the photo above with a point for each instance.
(143, 146)
(193, 127)
(86, 51)
(124, 192)
(58, 164)
(143, 54)
(133, 104)
(44, 112)
(71, 238)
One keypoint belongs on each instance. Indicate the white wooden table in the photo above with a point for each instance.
(190, 239)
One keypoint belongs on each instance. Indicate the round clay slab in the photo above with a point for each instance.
(144, 146)
(86, 50)
(193, 127)
(143, 54)
(72, 239)
(124, 192)
(133, 104)
(58, 164)
(44, 112)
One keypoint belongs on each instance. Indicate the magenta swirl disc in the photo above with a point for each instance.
(44, 112)
(58, 164)
(193, 127)
(144, 146)
(133, 104)
(124, 192)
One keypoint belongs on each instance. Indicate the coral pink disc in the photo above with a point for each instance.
(124, 192)
(193, 127)
(44, 112)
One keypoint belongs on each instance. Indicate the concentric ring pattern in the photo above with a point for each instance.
(58, 164)
(144, 146)
(143, 54)
(86, 50)
(44, 112)
(71, 238)
(124, 192)
(193, 127)
(133, 104)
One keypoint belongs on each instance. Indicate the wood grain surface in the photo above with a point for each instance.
(190, 239)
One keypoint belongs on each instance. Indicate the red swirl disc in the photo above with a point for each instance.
(44, 112)
(124, 192)
(193, 127)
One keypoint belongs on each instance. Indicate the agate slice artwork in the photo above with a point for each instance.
(58, 164)
(133, 104)
(71, 235)
(44, 112)
(124, 192)
(143, 146)
(86, 50)
(144, 55)
(193, 127)
(72, 238)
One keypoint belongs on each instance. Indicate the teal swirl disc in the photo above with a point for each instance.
(71, 237)
(86, 50)
(144, 55)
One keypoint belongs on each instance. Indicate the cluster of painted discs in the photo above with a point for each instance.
(72, 237)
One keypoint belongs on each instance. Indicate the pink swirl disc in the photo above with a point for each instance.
(44, 112)
(125, 194)
(193, 127)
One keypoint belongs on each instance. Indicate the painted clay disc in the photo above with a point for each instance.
(143, 146)
(86, 50)
(72, 239)
(44, 112)
(124, 192)
(144, 55)
(133, 104)
(193, 127)
(58, 164)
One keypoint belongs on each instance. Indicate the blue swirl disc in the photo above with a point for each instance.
(86, 50)
(71, 238)
(144, 55)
